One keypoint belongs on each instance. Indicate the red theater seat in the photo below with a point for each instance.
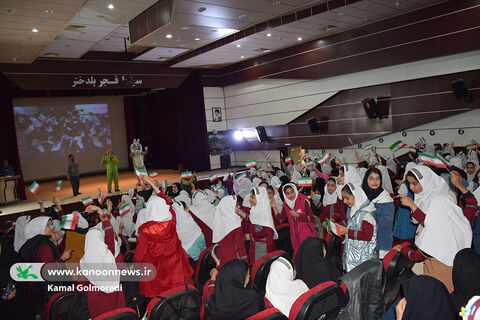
(205, 263)
(283, 242)
(58, 306)
(178, 303)
(261, 268)
(321, 302)
(397, 269)
(128, 256)
(118, 314)
(269, 314)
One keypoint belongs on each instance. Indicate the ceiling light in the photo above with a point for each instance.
(111, 6)
(276, 2)
(299, 38)
(168, 36)
(201, 9)
(239, 45)
(242, 16)
(49, 11)
(242, 57)
(287, 144)
(185, 28)
(197, 38)
(34, 30)
(238, 135)
(365, 19)
(340, 13)
(269, 34)
(397, 3)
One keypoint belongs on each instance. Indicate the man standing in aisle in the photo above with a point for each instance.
(72, 174)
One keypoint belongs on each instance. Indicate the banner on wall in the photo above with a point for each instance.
(219, 144)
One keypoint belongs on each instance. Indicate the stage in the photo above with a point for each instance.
(89, 187)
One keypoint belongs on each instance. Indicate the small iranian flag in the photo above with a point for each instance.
(475, 142)
(305, 182)
(213, 177)
(278, 186)
(445, 161)
(368, 147)
(241, 176)
(288, 159)
(397, 145)
(418, 145)
(87, 201)
(267, 156)
(186, 175)
(164, 186)
(333, 227)
(269, 166)
(140, 172)
(431, 160)
(101, 198)
(58, 185)
(471, 147)
(69, 221)
(422, 141)
(153, 174)
(324, 158)
(124, 209)
(34, 187)
(251, 164)
(310, 163)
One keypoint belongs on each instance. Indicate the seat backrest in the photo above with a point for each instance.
(261, 269)
(178, 303)
(205, 263)
(283, 242)
(397, 269)
(118, 314)
(269, 314)
(58, 306)
(128, 256)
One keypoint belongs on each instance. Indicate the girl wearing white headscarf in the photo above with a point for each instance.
(471, 168)
(184, 197)
(100, 256)
(282, 290)
(262, 228)
(210, 195)
(361, 232)
(386, 181)
(138, 201)
(188, 231)
(227, 230)
(127, 219)
(331, 207)
(203, 212)
(295, 176)
(446, 230)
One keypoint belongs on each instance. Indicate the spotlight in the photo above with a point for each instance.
(238, 135)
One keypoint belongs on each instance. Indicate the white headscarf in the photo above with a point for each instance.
(261, 214)
(210, 195)
(20, 236)
(226, 220)
(188, 231)
(274, 181)
(245, 186)
(473, 159)
(36, 226)
(203, 209)
(446, 230)
(256, 181)
(290, 203)
(127, 219)
(360, 199)
(457, 162)
(330, 198)
(295, 176)
(361, 172)
(252, 171)
(351, 175)
(386, 181)
(183, 196)
(157, 210)
(220, 194)
(392, 165)
(281, 290)
(98, 257)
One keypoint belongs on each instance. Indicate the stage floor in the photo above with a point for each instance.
(89, 187)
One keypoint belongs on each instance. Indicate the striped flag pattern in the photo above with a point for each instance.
(251, 164)
(213, 177)
(69, 221)
(153, 174)
(124, 209)
(397, 145)
(305, 182)
(186, 175)
(34, 187)
(267, 156)
(101, 198)
(87, 201)
(431, 160)
(333, 227)
(288, 159)
(325, 157)
(58, 185)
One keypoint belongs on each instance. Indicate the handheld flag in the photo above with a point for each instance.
(422, 141)
(475, 142)
(124, 209)
(69, 221)
(431, 160)
(368, 147)
(305, 182)
(397, 145)
(87, 201)
(34, 187)
(310, 163)
(333, 227)
(58, 185)
(164, 186)
(140, 172)
(186, 175)
(213, 177)
(288, 159)
(445, 161)
(267, 156)
(278, 186)
(251, 164)
(153, 174)
(324, 158)
(241, 176)
(101, 198)
(471, 147)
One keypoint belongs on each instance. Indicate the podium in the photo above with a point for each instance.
(8, 189)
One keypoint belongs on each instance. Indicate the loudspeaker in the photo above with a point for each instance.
(460, 90)
(371, 108)
(313, 125)
(261, 133)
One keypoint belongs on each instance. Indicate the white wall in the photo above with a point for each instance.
(214, 97)
(446, 131)
(239, 158)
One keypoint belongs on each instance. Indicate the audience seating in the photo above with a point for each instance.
(118, 314)
(58, 306)
(283, 242)
(205, 263)
(261, 269)
(178, 303)
(128, 256)
(321, 302)
(269, 314)
(334, 251)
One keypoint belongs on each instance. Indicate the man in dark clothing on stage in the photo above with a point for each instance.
(72, 174)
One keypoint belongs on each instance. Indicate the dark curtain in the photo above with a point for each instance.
(172, 123)
(9, 150)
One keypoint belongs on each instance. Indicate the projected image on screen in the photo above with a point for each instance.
(44, 131)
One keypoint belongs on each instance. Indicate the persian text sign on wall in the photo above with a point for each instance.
(104, 82)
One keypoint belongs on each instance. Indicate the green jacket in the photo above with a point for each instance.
(111, 163)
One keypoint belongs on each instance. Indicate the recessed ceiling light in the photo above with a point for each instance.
(365, 19)
(201, 9)
(168, 36)
(239, 45)
(242, 16)
(287, 144)
(397, 3)
(197, 38)
(34, 30)
(269, 34)
(340, 13)
(299, 38)
(49, 11)
(111, 6)
(185, 28)
(276, 2)
(242, 57)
